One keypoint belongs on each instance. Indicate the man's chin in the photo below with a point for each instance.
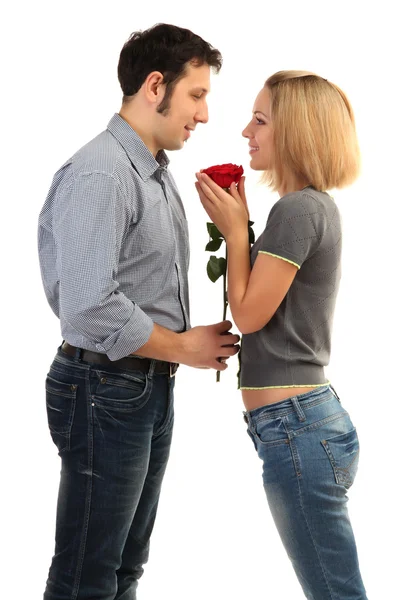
(171, 141)
(176, 144)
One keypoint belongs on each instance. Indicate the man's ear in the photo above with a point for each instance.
(154, 87)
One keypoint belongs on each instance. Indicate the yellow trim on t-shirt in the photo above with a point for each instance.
(279, 387)
(281, 257)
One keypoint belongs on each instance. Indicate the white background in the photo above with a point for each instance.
(214, 537)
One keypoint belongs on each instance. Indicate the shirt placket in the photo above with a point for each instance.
(162, 173)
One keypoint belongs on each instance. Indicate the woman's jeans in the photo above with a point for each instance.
(113, 432)
(310, 449)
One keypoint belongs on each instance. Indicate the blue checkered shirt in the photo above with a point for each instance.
(113, 245)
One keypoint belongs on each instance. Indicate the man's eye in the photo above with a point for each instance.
(197, 97)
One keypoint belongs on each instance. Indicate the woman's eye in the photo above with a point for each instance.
(259, 122)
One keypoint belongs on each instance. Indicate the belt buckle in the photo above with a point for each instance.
(171, 371)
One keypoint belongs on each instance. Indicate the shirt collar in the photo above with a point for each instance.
(137, 151)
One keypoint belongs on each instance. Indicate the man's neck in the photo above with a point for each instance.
(140, 129)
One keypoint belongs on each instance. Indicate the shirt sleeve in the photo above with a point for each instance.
(91, 218)
(294, 228)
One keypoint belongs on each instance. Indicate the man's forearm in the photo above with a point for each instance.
(163, 344)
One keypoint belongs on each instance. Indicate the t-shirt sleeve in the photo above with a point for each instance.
(294, 228)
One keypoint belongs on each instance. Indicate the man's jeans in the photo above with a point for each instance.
(310, 449)
(113, 430)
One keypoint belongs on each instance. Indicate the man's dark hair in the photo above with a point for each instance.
(165, 48)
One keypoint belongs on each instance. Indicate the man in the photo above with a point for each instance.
(113, 245)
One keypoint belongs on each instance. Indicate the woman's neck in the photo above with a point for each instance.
(293, 186)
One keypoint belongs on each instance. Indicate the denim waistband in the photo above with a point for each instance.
(294, 404)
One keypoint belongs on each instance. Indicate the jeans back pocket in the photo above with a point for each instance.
(343, 452)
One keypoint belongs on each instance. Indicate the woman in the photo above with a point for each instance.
(282, 299)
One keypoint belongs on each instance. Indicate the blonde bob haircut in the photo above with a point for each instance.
(314, 135)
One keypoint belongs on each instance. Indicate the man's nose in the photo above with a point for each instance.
(202, 115)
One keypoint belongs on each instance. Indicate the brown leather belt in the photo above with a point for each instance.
(131, 363)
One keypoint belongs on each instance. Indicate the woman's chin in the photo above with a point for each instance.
(255, 165)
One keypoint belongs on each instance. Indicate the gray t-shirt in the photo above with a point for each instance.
(303, 228)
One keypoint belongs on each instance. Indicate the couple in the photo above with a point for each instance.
(113, 245)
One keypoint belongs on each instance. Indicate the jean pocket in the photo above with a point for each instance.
(270, 432)
(60, 406)
(343, 452)
(121, 391)
(251, 436)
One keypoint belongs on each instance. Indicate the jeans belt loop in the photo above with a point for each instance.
(299, 411)
(150, 372)
(171, 371)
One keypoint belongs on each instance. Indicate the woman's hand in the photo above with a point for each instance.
(228, 211)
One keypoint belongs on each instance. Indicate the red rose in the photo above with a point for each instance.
(224, 175)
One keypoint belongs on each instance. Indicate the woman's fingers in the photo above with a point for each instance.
(201, 193)
(207, 204)
(206, 188)
(217, 196)
(212, 189)
(240, 195)
(241, 190)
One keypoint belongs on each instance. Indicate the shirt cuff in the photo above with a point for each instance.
(127, 340)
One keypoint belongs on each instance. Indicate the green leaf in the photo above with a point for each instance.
(214, 245)
(215, 268)
(214, 232)
(252, 237)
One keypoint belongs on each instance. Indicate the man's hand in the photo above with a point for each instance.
(205, 345)
(202, 347)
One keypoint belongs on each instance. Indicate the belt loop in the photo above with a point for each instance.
(78, 354)
(299, 411)
(150, 372)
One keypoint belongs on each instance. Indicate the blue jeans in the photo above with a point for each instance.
(113, 431)
(310, 450)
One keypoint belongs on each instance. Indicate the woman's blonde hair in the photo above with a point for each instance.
(314, 132)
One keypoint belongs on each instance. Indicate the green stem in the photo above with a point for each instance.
(225, 299)
(225, 290)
